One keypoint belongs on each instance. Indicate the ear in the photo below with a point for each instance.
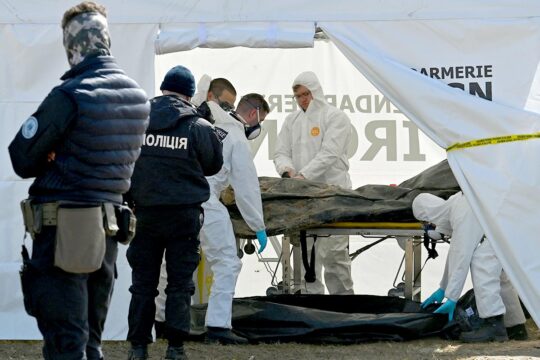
(253, 116)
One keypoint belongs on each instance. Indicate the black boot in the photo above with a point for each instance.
(492, 329)
(517, 332)
(175, 353)
(223, 336)
(138, 352)
(159, 327)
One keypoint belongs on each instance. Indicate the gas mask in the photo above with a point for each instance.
(251, 132)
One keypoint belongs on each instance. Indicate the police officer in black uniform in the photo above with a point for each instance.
(80, 145)
(168, 188)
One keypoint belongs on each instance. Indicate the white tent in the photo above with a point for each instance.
(489, 49)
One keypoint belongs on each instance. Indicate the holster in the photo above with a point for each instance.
(127, 223)
(27, 275)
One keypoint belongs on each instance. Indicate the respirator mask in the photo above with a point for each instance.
(250, 131)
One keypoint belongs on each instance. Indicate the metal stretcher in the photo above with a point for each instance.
(413, 232)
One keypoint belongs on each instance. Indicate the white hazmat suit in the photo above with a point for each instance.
(494, 293)
(217, 236)
(218, 241)
(313, 143)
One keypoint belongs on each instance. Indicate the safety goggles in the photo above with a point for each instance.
(224, 104)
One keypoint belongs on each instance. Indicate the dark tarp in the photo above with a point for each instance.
(343, 319)
(291, 205)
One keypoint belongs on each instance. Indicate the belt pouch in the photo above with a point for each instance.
(80, 238)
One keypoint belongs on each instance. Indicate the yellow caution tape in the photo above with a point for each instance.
(493, 141)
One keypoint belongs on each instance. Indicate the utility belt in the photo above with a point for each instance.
(81, 230)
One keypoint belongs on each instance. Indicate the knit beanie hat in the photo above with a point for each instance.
(180, 80)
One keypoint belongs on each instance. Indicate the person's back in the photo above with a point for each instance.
(168, 189)
(174, 156)
(81, 145)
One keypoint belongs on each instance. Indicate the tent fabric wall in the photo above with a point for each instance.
(31, 60)
(234, 11)
(498, 180)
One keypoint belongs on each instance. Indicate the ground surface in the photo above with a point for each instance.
(432, 348)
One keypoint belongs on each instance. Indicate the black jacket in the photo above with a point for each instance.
(180, 149)
(94, 122)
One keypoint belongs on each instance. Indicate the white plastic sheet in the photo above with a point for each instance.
(501, 181)
(187, 36)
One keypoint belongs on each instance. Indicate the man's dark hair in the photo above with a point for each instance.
(217, 86)
(84, 7)
(253, 100)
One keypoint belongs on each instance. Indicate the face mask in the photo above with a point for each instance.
(86, 34)
(251, 132)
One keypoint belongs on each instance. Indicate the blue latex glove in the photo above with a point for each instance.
(435, 298)
(447, 308)
(263, 239)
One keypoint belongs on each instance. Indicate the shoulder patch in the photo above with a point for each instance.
(29, 128)
(222, 134)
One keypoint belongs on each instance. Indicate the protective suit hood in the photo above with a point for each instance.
(311, 82)
(202, 90)
(428, 207)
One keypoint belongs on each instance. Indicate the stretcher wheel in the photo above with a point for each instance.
(272, 290)
(249, 248)
(240, 253)
(398, 291)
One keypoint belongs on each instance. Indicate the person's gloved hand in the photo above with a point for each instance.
(436, 297)
(447, 308)
(263, 239)
(434, 235)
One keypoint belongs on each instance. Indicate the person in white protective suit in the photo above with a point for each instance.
(496, 299)
(218, 240)
(312, 144)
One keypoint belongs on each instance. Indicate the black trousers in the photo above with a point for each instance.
(70, 308)
(175, 232)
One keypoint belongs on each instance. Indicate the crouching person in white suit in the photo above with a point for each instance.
(496, 299)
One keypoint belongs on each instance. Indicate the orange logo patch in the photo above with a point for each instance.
(315, 131)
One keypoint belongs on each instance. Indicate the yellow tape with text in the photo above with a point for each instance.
(493, 141)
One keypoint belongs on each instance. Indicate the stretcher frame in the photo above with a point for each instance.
(413, 232)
